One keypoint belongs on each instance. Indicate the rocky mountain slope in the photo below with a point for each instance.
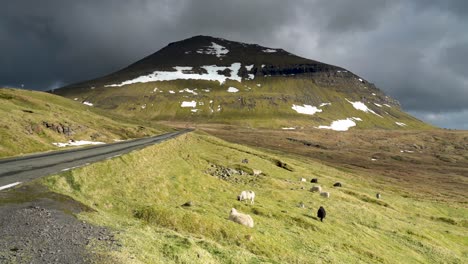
(207, 79)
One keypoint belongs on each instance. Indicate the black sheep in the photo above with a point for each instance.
(338, 184)
(314, 180)
(321, 213)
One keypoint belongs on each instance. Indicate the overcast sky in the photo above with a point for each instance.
(414, 50)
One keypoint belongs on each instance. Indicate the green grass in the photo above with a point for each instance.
(140, 194)
(24, 112)
(268, 106)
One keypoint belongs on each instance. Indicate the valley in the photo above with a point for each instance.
(257, 119)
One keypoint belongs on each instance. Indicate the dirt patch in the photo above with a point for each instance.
(40, 227)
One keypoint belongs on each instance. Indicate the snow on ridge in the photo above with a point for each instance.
(340, 125)
(171, 92)
(324, 104)
(232, 90)
(379, 105)
(188, 91)
(400, 124)
(181, 74)
(361, 106)
(251, 76)
(387, 105)
(77, 143)
(188, 104)
(87, 103)
(288, 128)
(183, 68)
(214, 49)
(306, 109)
(249, 67)
(269, 50)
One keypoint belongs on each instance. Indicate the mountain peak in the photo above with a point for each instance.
(209, 78)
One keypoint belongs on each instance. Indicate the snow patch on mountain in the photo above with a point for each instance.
(232, 90)
(87, 103)
(214, 49)
(269, 50)
(249, 67)
(306, 109)
(188, 91)
(340, 125)
(188, 104)
(400, 124)
(361, 106)
(181, 73)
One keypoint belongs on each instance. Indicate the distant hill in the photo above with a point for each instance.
(207, 79)
(32, 121)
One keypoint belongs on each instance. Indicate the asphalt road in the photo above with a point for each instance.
(21, 169)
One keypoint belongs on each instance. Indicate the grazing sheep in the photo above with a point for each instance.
(325, 194)
(338, 184)
(245, 161)
(378, 195)
(321, 213)
(257, 172)
(303, 180)
(246, 195)
(316, 189)
(243, 219)
(314, 180)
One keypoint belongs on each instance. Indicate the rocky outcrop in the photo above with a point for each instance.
(59, 128)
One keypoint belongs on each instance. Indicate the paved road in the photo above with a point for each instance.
(16, 170)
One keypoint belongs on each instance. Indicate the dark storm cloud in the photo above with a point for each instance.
(416, 51)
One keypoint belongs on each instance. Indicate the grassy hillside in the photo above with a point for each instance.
(262, 102)
(139, 195)
(32, 121)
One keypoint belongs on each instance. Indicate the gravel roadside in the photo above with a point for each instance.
(37, 226)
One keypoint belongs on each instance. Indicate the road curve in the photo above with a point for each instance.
(21, 169)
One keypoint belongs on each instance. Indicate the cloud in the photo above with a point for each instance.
(455, 120)
(415, 50)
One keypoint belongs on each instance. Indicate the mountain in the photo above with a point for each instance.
(207, 79)
(32, 121)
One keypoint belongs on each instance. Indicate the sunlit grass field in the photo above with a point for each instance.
(140, 197)
(23, 114)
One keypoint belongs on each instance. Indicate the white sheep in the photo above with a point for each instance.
(246, 195)
(303, 180)
(316, 189)
(257, 172)
(325, 194)
(378, 195)
(243, 219)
